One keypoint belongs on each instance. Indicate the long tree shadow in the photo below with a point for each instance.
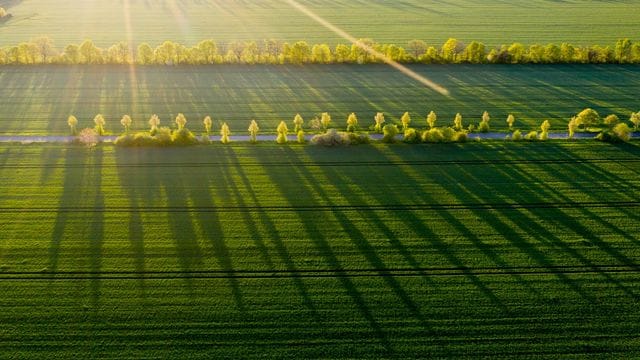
(72, 196)
(96, 221)
(131, 177)
(199, 193)
(310, 225)
(268, 224)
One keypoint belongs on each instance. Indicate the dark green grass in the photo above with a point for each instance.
(494, 249)
(38, 100)
(493, 22)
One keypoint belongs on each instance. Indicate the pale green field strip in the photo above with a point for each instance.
(488, 249)
(38, 100)
(492, 22)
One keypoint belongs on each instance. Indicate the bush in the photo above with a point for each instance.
(433, 136)
(390, 131)
(471, 128)
(412, 136)
(483, 127)
(183, 137)
(619, 133)
(460, 137)
(516, 136)
(300, 135)
(163, 136)
(338, 138)
(531, 136)
(88, 137)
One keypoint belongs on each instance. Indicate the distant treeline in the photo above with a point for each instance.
(43, 51)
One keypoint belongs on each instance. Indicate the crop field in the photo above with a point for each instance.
(189, 21)
(38, 100)
(486, 249)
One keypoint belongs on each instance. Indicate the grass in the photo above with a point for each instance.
(38, 100)
(188, 22)
(495, 249)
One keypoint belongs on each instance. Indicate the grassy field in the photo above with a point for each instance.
(37, 100)
(496, 249)
(188, 21)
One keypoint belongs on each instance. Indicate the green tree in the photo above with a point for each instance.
(544, 135)
(416, 49)
(100, 122)
(181, 121)
(126, 123)
(622, 131)
(352, 122)
(282, 131)
(451, 49)
(635, 120)
(300, 53)
(611, 120)
(342, 53)
(510, 121)
(517, 53)
(484, 123)
(325, 120)
(573, 126)
(224, 133)
(298, 121)
(405, 120)
(208, 50)
(145, 55)
(90, 53)
(207, 124)
(73, 125)
(45, 48)
(622, 51)
(379, 120)
(431, 119)
(71, 55)
(154, 122)
(457, 122)
(474, 53)
(253, 131)
(321, 54)
(588, 117)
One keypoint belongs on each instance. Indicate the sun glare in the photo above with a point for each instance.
(343, 34)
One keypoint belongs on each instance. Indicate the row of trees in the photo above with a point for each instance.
(610, 128)
(43, 51)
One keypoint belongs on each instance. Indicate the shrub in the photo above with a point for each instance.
(516, 136)
(88, 137)
(433, 136)
(300, 135)
(390, 131)
(460, 137)
(163, 136)
(611, 120)
(448, 134)
(619, 133)
(183, 137)
(339, 138)
(471, 128)
(531, 136)
(412, 136)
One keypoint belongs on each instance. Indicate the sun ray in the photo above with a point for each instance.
(343, 34)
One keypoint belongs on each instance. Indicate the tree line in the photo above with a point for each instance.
(609, 128)
(43, 51)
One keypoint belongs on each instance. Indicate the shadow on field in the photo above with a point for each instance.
(312, 227)
(80, 216)
(540, 224)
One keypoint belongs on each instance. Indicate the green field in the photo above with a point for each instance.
(189, 21)
(490, 249)
(38, 100)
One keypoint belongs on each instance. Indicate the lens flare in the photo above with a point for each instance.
(343, 34)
